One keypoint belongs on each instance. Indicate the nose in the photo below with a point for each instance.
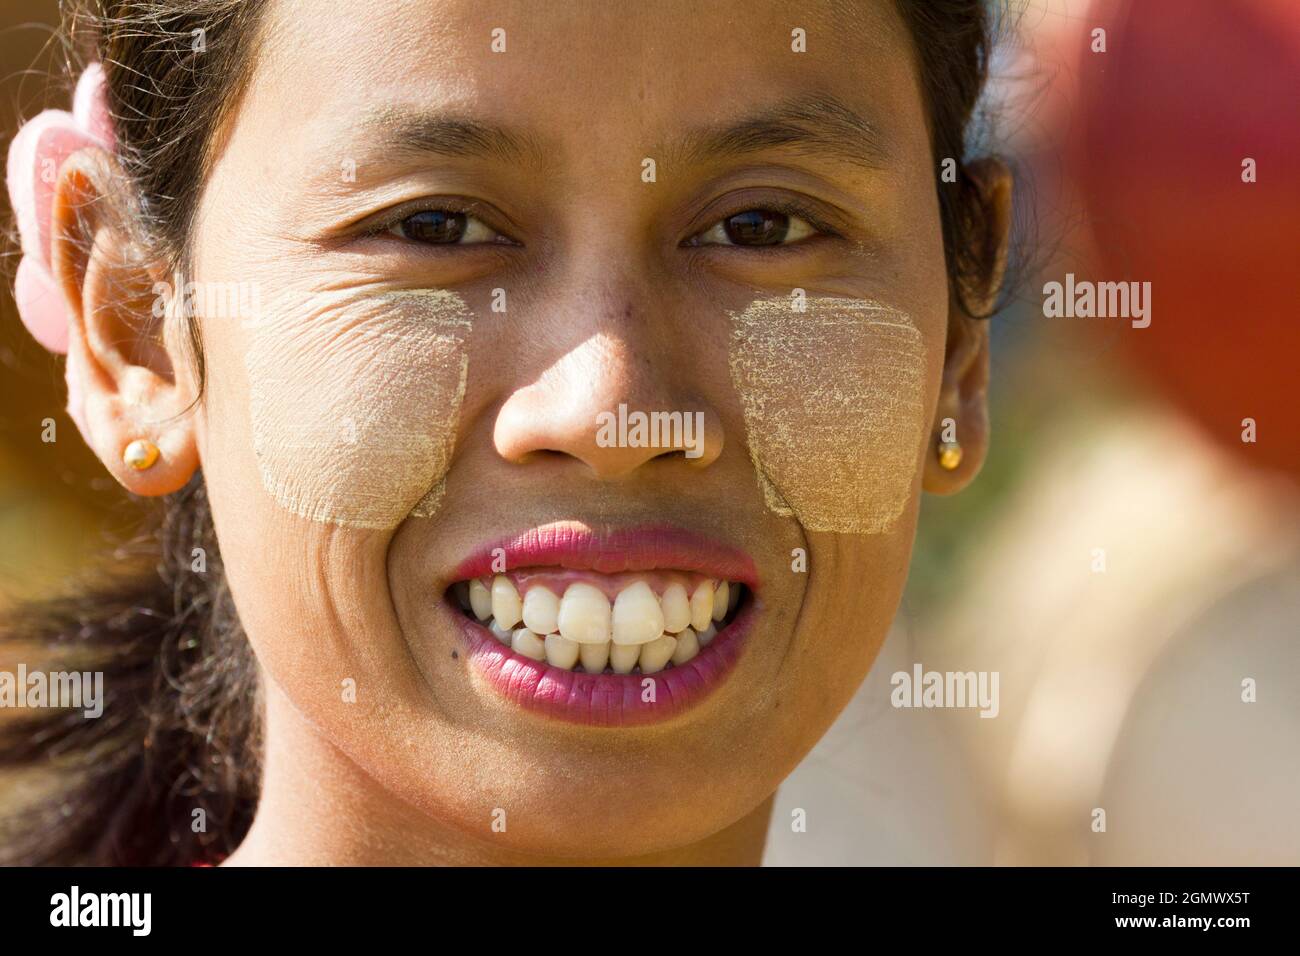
(617, 398)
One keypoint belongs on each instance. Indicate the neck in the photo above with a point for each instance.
(343, 817)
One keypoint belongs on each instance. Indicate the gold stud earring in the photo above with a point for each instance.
(140, 454)
(949, 453)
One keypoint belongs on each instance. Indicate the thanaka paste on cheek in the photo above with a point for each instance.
(833, 399)
(355, 401)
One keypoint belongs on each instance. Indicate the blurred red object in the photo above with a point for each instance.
(1186, 91)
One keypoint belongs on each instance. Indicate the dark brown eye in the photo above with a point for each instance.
(438, 226)
(757, 227)
(754, 228)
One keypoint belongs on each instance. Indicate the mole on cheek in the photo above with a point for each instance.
(834, 406)
(354, 407)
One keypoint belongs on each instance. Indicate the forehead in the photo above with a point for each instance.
(586, 76)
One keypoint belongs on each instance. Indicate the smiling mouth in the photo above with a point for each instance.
(607, 627)
(591, 623)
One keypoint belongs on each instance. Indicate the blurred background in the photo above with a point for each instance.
(1124, 562)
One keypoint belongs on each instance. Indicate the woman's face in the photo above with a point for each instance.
(471, 231)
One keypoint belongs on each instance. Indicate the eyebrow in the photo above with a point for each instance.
(817, 125)
(448, 134)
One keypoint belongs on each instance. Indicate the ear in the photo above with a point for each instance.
(962, 411)
(116, 335)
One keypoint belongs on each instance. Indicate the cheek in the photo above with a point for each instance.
(354, 414)
(834, 401)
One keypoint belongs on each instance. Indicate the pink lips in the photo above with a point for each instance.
(611, 700)
(632, 549)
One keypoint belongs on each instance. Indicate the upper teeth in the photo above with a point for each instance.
(584, 614)
(641, 629)
(638, 617)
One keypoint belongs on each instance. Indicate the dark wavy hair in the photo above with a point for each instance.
(180, 731)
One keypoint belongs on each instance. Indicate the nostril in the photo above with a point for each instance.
(540, 454)
(670, 453)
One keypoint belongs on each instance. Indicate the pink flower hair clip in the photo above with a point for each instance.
(36, 154)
